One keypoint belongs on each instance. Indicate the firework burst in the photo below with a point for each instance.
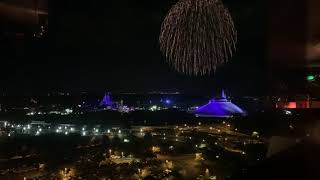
(197, 36)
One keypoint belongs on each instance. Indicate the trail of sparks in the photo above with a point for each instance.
(197, 36)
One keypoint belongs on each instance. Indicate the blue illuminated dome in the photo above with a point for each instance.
(219, 108)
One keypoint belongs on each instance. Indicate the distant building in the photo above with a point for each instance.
(106, 101)
(298, 103)
(221, 107)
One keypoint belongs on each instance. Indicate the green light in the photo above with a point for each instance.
(310, 77)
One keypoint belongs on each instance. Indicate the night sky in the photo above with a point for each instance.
(95, 46)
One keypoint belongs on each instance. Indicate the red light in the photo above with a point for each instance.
(292, 105)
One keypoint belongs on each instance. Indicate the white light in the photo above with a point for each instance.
(40, 130)
(153, 108)
(28, 126)
(59, 127)
(287, 112)
(84, 133)
(37, 133)
(24, 128)
(66, 133)
(83, 129)
(141, 130)
(65, 127)
(97, 130)
(9, 134)
(291, 127)
(126, 140)
(68, 111)
(72, 129)
(108, 131)
(119, 131)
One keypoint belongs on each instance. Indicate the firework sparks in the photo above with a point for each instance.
(197, 36)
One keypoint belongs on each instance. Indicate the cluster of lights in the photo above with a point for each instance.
(40, 33)
(59, 129)
(18, 126)
(154, 108)
(83, 131)
(64, 112)
(96, 130)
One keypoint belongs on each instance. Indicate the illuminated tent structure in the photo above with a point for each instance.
(220, 107)
(106, 101)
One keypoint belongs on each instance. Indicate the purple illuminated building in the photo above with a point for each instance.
(220, 107)
(106, 101)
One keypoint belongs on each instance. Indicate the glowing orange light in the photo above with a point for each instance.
(292, 105)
